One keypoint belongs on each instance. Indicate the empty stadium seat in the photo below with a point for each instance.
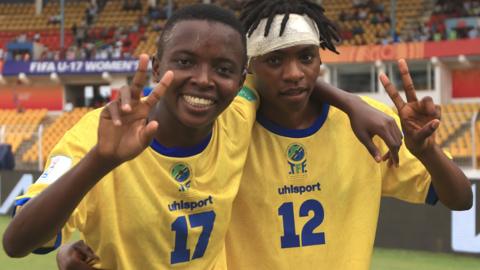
(52, 135)
(20, 126)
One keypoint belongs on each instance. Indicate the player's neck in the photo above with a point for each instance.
(172, 133)
(301, 118)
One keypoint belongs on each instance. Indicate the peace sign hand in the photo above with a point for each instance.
(419, 119)
(123, 131)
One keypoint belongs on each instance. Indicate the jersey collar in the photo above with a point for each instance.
(181, 151)
(295, 133)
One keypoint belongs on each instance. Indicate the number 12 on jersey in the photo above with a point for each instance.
(180, 252)
(290, 237)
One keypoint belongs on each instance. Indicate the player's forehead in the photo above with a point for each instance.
(194, 29)
(270, 36)
(197, 32)
(300, 48)
(206, 40)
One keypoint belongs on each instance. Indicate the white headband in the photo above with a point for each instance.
(300, 30)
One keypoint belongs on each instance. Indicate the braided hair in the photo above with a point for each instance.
(254, 11)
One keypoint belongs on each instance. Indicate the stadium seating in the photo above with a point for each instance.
(462, 147)
(455, 131)
(371, 33)
(454, 116)
(460, 9)
(22, 17)
(20, 127)
(354, 30)
(358, 25)
(149, 45)
(53, 133)
(114, 15)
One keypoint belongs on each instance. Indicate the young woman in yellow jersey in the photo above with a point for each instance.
(310, 194)
(163, 204)
(149, 182)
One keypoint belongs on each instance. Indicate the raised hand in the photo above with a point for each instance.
(419, 119)
(76, 256)
(123, 131)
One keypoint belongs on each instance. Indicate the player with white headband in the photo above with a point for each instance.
(301, 29)
(310, 194)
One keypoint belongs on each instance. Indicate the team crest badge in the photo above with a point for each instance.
(297, 160)
(181, 173)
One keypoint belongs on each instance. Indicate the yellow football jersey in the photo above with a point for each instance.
(169, 208)
(309, 199)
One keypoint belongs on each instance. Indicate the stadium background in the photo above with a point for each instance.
(57, 65)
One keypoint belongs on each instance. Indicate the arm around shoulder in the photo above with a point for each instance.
(365, 120)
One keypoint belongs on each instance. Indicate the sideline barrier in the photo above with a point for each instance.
(433, 228)
(13, 184)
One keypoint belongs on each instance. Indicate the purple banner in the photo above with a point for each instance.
(11, 68)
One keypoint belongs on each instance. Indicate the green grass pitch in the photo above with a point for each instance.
(383, 259)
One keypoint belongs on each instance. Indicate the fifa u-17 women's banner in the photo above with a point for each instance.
(13, 68)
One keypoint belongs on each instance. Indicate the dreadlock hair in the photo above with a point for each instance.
(254, 11)
(203, 12)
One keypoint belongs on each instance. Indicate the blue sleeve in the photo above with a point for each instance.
(432, 197)
(41, 250)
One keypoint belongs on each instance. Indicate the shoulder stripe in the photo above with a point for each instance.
(247, 94)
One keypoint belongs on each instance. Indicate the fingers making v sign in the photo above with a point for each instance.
(124, 131)
(419, 119)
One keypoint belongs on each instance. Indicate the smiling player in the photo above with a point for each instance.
(154, 188)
